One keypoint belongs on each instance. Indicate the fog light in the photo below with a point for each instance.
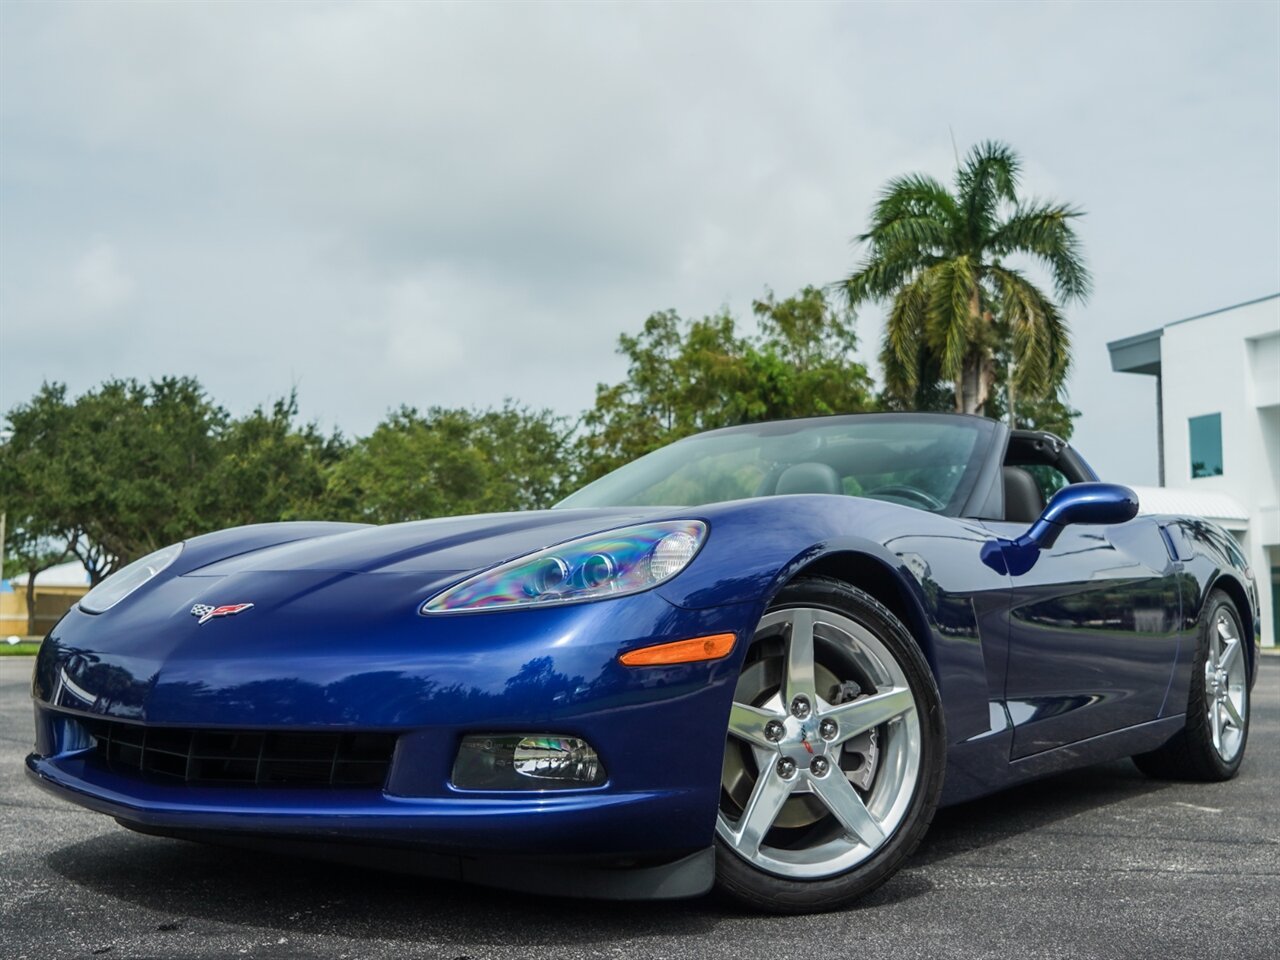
(526, 762)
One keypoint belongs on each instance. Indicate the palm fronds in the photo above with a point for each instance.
(903, 336)
(938, 256)
(1044, 231)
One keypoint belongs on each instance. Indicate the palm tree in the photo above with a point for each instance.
(939, 257)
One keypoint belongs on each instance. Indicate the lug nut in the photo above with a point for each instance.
(800, 708)
(819, 766)
(786, 768)
(828, 729)
(773, 730)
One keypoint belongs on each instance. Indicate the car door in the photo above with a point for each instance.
(1093, 633)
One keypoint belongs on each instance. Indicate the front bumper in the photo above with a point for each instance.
(389, 834)
(603, 822)
(658, 731)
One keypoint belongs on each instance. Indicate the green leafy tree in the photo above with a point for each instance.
(1045, 410)
(116, 472)
(29, 550)
(269, 467)
(448, 462)
(801, 363)
(1049, 410)
(129, 467)
(684, 376)
(931, 390)
(938, 256)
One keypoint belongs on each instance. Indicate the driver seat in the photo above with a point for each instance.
(811, 477)
(1023, 502)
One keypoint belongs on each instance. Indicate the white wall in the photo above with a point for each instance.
(1229, 363)
(1264, 363)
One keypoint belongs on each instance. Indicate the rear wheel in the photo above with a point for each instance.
(1211, 745)
(834, 756)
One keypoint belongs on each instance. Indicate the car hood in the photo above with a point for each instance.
(314, 615)
(440, 547)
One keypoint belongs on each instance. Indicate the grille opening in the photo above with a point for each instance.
(253, 757)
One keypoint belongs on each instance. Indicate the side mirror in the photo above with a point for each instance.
(1094, 503)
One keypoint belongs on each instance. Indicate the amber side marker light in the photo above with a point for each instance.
(681, 651)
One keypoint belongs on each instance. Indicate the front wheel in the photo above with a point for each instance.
(835, 753)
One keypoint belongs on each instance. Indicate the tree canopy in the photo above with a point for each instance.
(684, 376)
(128, 467)
(452, 461)
(115, 471)
(268, 466)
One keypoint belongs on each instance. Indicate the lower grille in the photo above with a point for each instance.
(244, 757)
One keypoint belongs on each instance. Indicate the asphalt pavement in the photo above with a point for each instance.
(1100, 862)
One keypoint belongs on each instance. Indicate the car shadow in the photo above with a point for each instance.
(183, 881)
(300, 895)
(1031, 806)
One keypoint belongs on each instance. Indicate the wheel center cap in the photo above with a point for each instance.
(802, 742)
(1218, 684)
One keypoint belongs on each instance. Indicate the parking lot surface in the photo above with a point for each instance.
(1101, 862)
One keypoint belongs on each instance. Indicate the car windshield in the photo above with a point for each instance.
(929, 462)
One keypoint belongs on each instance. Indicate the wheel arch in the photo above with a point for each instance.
(880, 580)
(1233, 588)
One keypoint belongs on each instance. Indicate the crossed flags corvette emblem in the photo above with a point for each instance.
(206, 612)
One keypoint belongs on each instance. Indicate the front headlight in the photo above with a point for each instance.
(610, 564)
(123, 582)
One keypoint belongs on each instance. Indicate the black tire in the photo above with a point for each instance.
(746, 882)
(1191, 755)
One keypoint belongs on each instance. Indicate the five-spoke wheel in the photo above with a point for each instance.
(1226, 685)
(833, 731)
(1211, 744)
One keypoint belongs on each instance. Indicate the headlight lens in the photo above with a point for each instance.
(610, 564)
(124, 581)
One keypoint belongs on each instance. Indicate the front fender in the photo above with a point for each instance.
(951, 602)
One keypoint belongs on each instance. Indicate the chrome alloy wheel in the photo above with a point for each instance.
(824, 746)
(1226, 689)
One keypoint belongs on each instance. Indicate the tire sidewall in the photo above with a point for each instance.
(1198, 729)
(746, 882)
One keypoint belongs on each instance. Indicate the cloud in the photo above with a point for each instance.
(388, 203)
(100, 281)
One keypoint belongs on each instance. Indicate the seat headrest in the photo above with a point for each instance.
(1023, 502)
(809, 478)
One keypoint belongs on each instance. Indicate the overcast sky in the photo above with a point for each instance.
(428, 204)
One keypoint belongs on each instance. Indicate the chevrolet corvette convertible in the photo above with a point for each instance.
(757, 659)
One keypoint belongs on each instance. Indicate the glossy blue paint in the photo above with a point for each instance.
(1213, 561)
(1075, 656)
(1094, 629)
(1088, 503)
(435, 679)
(1094, 504)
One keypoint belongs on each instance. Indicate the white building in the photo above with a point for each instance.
(1218, 417)
(56, 589)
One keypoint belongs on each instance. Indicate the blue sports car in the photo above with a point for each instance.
(758, 659)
